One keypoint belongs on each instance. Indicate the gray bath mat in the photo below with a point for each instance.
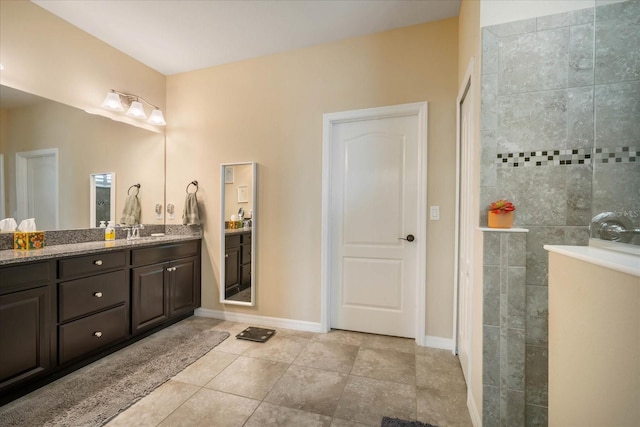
(94, 394)
(396, 422)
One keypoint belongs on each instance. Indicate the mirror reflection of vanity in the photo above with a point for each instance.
(84, 146)
(238, 228)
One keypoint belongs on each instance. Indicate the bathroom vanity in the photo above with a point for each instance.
(64, 306)
(594, 337)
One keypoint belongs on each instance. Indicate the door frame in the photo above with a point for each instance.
(22, 197)
(466, 89)
(418, 109)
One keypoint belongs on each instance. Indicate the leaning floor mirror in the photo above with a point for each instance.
(238, 193)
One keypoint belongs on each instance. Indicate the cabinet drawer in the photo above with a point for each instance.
(89, 264)
(232, 241)
(24, 276)
(164, 253)
(93, 332)
(246, 238)
(83, 296)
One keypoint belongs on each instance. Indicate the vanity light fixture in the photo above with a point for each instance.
(114, 102)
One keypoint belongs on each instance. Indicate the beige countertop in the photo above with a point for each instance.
(618, 261)
(13, 256)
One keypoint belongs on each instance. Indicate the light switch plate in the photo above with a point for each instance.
(434, 213)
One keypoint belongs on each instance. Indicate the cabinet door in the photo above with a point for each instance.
(231, 267)
(25, 333)
(183, 286)
(150, 297)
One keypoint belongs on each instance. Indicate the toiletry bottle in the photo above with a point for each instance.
(110, 232)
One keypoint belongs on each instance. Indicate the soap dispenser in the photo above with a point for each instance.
(110, 231)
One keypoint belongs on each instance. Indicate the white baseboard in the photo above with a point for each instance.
(476, 420)
(438, 342)
(253, 319)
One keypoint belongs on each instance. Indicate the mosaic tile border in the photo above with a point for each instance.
(580, 156)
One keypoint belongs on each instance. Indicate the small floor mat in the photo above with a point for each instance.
(256, 334)
(396, 422)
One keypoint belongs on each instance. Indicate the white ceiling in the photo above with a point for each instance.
(174, 36)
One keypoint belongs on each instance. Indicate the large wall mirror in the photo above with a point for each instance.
(238, 230)
(65, 152)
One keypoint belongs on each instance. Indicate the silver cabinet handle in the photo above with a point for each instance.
(97, 334)
(171, 268)
(98, 262)
(226, 255)
(98, 294)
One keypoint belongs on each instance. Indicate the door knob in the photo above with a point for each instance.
(409, 238)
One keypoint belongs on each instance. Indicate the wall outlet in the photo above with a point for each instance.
(434, 212)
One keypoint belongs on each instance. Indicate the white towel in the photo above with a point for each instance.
(131, 211)
(190, 215)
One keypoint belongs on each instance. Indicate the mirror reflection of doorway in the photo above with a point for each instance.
(37, 187)
(102, 198)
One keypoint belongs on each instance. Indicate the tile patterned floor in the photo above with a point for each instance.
(299, 379)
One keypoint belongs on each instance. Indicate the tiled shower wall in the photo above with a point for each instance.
(503, 328)
(559, 99)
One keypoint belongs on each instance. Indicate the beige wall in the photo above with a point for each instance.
(594, 345)
(46, 56)
(269, 110)
(469, 50)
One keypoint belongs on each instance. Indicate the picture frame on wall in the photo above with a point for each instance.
(228, 175)
(242, 194)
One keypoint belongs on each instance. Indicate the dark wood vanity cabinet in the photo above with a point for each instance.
(165, 283)
(56, 315)
(237, 268)
(27, 322)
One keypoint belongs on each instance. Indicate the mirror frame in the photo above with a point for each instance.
(254, 198)
(92, 198)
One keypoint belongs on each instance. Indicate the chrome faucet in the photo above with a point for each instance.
(613, 227)
(133, 233)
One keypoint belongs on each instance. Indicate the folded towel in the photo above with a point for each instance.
(190, 215)
(131, 211)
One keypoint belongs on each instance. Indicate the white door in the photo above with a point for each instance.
(374, 203)
(465, 231)
(37, 187)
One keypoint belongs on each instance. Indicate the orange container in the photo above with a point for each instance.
(500, 220)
